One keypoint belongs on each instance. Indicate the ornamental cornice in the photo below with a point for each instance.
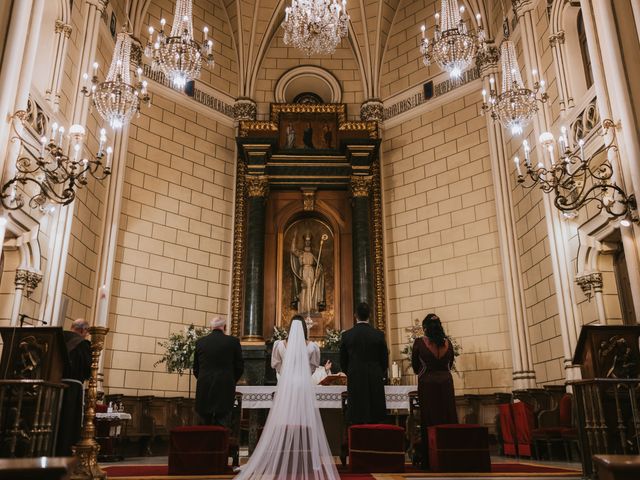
(520, 7)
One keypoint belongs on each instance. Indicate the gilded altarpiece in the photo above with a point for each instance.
(296, 173)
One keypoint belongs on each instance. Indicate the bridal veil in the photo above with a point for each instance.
(293, 444)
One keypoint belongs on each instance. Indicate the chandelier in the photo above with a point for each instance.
(52, 168)
(516, 105)
(179, 56)
(575, 179)
(315, 26)
(454, 46)
(117, 99)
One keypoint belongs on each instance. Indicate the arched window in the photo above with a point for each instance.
(584, 50)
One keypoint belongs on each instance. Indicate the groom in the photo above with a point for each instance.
(217, 365)
(364, 357)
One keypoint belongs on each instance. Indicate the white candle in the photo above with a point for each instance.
(423, 29)
(526, 148)
(61, 138)
(101, 314)
(109, 158)
(437, 20)
(205, 30)
(517, 162)
(581, 144)
(484, 96)
(478, 17)
(395, 370)
(3, 229)
(43, 142)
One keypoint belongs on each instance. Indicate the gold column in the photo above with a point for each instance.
(86, 450)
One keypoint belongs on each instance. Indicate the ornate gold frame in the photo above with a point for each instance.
(271, 126)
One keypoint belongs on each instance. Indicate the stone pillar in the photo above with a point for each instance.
(92, 13)
(257, 191)
(11, 67)
(570, 322)
(362, 265)
(63, 32)
(20, 283)
(523, 372)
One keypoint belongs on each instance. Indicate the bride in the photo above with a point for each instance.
(293, 444)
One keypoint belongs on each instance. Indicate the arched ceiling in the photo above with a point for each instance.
(254, 23)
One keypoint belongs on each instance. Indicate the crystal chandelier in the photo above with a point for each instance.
(52, 168)
(575, 179)
(315, 26)
(117, 99)
(453, 46)
(179, 56)
(516, 105)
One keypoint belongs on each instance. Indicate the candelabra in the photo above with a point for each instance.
(116, 99)
(453, 47)
(86, 450)
(54, 167)
(575, 179)
(516, 105)
(315, 26)
(178, 55)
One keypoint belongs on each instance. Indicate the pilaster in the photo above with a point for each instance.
(362, 264)
(523, 372)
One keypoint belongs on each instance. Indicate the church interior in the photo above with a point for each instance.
(166, 162)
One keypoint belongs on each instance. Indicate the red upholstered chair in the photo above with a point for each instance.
(376, 448)
(524, 424)
(198, 450)
(562, 433)
(507, 430)
(459, 448)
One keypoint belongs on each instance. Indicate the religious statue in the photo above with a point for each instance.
(308, 276)
(327, 135)
(307, 136)
(291, 136)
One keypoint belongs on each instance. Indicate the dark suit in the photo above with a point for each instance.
(76, 371)
(364, 357)
(218, 366)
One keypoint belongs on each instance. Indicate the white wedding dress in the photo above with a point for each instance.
(293, 444)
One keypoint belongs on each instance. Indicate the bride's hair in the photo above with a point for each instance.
(300, 318)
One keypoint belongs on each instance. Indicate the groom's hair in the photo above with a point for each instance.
(300, 318)
(363, 311)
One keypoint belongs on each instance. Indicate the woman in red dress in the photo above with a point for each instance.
(432, 360)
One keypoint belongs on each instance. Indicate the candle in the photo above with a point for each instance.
(139, 72)
(526, 148)
(542, 86)
(205, 30)
(581, 145)
(85, 164)
(517, 162)
(43, 142)
(101, 313)
(61, 137)
(109, 157)
(95, 69)
(395, 370)
(437, 20)
(563, 129)
(423, 29)
(150, 34)
(534, 73)
(478, 17)
(3, 229)
(76, 150)
(103, 140)
(563, 145)
(163, 22)
(54, 130)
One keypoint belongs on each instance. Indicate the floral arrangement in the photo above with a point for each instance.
(180, 349)
(415, 331)
(332, 339)
(279, 333)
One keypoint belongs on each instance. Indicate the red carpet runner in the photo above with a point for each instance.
(158, 472)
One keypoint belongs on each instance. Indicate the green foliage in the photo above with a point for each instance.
(180, 349)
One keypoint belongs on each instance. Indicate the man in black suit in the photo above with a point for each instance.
(364, 357)
(217, 366)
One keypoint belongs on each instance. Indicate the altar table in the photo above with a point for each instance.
(253, 397)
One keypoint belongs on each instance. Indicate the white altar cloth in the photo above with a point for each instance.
(114, 415)
(397, 396)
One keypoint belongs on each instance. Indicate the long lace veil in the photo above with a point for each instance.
(293, 444)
